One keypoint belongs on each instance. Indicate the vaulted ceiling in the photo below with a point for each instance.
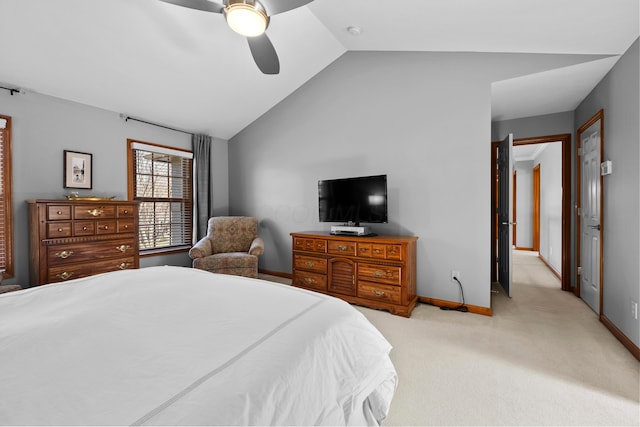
(185, 68)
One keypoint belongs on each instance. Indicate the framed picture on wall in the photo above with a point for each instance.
(77, 169)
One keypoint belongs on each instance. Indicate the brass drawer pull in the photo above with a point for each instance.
(64, 254)
(59, 213)
(126, 227)
(378, 274)
(95, 212)
(84, 228)
(309, 280)
(378, 251)
(123, 265)
(342, 248)
(106, 227)
(64, 275)
(123, 248)
(125, 212)
(59, 230)
(377, 292)
(309, 264)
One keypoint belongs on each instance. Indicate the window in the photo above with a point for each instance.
(6, 204)
(160, 177)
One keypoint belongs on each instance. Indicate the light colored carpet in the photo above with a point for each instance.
(543, 358)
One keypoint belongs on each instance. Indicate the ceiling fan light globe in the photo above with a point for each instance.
(245, 19)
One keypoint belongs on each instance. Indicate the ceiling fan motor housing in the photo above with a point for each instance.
(246, 17)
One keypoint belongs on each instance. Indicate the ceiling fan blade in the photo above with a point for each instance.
(264, 54)
(206, 5)
(273, 7)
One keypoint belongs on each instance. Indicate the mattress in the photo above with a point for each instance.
(179, 346)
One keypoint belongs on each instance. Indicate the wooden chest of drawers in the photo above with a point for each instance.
(71, 239)
(377, 272)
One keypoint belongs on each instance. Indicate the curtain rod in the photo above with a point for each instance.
(11, 90)
(127, 118)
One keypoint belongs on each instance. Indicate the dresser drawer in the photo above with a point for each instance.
(339, 247)
(379, 292)
(74, 271)
(126, 225)
(310, 245)
(380, 273)
(319, 265)
(94, 211)
(55, 212)
(379, 251)
(126, 211)
(106, 226)
(364, 250)
(309, 280)
(82, 252)
(84, 228)
(394, 252)
(58, 229)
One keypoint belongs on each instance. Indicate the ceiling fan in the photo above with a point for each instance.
(249, 18)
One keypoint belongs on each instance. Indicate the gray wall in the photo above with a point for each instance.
(421, 118)
(618, 94)
(530, 127)
(550, 161)
(44, 126)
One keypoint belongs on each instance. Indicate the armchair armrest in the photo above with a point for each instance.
(201, 249)
(257, 247)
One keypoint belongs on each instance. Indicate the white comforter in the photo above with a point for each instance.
(176, 346)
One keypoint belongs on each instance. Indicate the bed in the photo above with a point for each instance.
(179, 346)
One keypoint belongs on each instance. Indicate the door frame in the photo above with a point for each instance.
(565, 139)
(597, 116)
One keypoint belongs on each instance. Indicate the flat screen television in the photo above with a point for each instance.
(353, 200)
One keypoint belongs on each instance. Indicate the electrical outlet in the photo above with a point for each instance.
(634, 310)
(455, 275)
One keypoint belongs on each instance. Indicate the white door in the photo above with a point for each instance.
(505, 213)
(590, 229)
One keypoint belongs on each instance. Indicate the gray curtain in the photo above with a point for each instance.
(201, 145)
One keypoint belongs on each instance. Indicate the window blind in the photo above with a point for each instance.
(163, 185)
(6, 236)
(3, 237)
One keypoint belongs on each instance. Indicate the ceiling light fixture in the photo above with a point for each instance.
(246, 17)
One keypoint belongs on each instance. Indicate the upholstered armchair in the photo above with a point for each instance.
(231, 246)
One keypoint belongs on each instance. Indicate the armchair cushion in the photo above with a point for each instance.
(232, 233)
(236, 263)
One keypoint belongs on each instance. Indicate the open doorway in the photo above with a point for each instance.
(538, 202)
(565, 141)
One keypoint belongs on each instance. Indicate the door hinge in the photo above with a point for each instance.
(579, 151)
(579, 211)
(579, 271)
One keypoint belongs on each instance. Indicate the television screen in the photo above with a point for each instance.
(353, 200)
